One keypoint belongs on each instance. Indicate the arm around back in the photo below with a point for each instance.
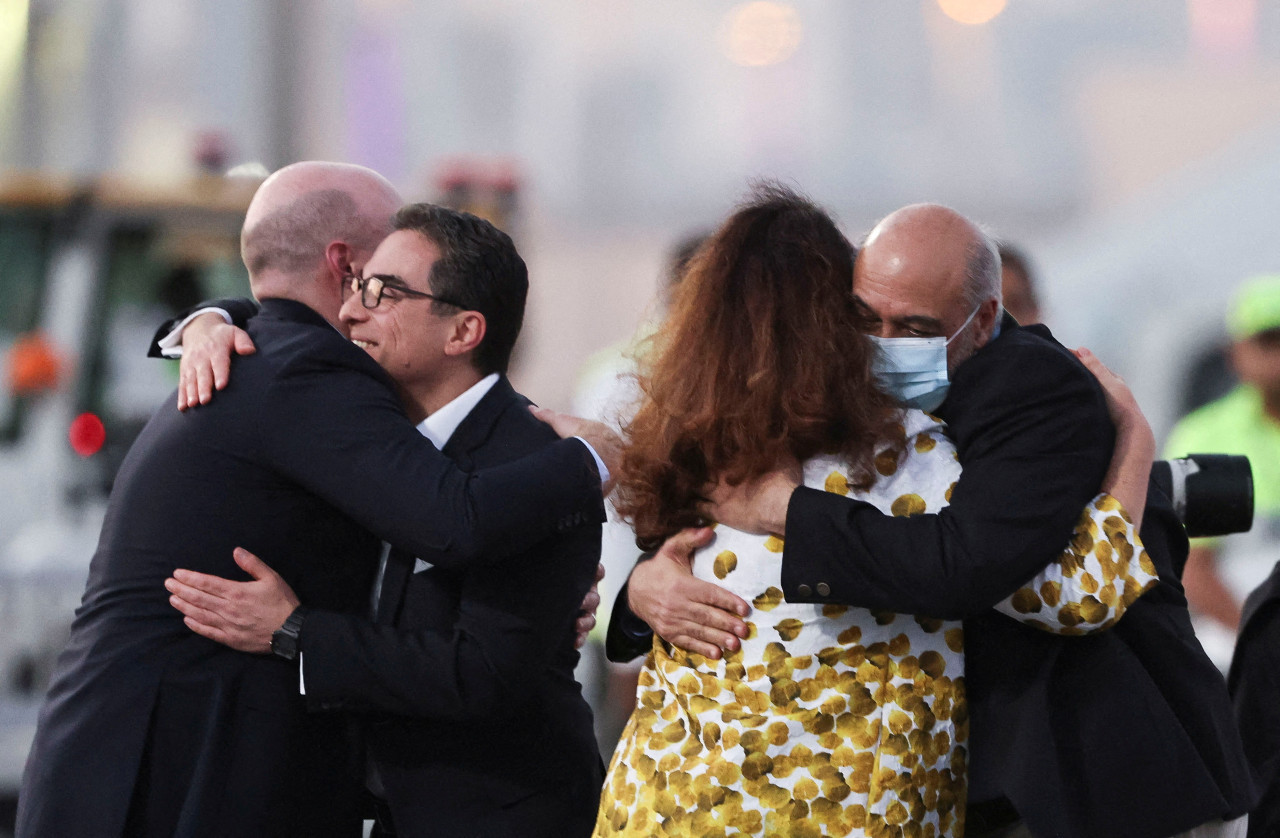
(330, 421)
(494, 660)
(240, 309)
(1033, 436)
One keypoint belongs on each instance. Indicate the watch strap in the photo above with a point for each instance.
(284, 641)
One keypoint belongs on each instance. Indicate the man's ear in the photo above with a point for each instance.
(986, 319)
(468, 333)
(337, 259)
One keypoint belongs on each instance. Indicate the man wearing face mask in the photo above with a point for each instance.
(1126, 733)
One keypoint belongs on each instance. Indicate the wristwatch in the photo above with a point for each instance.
(284, 641)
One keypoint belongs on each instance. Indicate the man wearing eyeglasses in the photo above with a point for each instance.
(307, 458)
(464, 665)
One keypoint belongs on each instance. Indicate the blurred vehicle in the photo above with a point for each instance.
(87, 273)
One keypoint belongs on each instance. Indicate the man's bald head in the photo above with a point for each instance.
(308, 222)
(922, 271)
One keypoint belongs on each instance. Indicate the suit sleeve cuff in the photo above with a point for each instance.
(814, 546)
(600, 466)
(171, 344)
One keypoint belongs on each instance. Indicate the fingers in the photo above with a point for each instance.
(1094, 364)
(681, 546)
(723, 602)
(188, 387)
(195, 612)
(235, 641)
(711, 625)
(591, 601)
(213, 585)
(207, 603)
(207, 347)
(204, 382)
(1113, 385)
(214, 634)
(251, 564)
(684, 614)
(691, 643)
(219, 370)
(564, 425)
(220, 360)
(242, 343)
(710, 605)
(585, 623)
(542, 414)
(692, 539)
(1088, 359)
(599, 572)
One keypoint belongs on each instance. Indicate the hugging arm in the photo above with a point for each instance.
(1033, 436)
(332, 425)
(1105, 567)
(1085, 587)
(205, 338)
(508, 628)
(235, 311)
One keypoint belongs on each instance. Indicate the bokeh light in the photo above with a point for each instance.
(13, 42)
(87, 434)
(761, 33)
(972, 12)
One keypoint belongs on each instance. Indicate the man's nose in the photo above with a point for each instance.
(353, 311)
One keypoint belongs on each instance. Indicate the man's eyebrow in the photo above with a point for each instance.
(921, 323)
(390, 279)
(917, 322)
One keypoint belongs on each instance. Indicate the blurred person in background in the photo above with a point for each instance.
(1124, 734)
(474, 724)
(762, 359)
(1018, 285)
(1221, 572)
(149, 729)
(607, 391)
(1254, 681)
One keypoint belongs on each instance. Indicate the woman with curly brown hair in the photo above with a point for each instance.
(829, 720)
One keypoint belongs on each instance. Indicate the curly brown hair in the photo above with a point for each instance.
(760, 358)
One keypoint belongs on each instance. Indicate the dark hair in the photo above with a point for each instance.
(760, 357)
(478, 268)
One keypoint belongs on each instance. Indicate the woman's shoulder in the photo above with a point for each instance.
(915, 422)
(922, 459)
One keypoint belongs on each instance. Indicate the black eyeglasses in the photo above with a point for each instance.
(372, 290)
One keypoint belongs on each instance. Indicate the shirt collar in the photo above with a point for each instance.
(439, 426)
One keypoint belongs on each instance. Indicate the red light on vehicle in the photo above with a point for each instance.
(87, 434)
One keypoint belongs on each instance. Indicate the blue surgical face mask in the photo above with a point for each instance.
(913, 371)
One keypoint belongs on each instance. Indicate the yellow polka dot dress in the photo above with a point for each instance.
(830, 720)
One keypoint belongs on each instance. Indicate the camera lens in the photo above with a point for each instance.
(1212, 493)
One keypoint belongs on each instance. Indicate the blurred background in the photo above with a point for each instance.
(1131, 150)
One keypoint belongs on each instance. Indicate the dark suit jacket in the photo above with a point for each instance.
(1254, 682)
(479, 727)
(151, 729)
(1123, 733)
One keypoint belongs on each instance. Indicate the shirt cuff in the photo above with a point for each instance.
(600, 466)
(171, 344)
(302, 682)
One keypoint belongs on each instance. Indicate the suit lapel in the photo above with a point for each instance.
(476, 429)
(470, 434)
